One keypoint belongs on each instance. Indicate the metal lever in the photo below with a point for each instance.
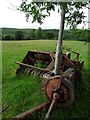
(55, 97)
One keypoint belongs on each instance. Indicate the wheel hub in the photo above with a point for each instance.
(63, 88)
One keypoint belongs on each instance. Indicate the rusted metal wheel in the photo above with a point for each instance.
(64, 88)
(51, 85)
(66, 93)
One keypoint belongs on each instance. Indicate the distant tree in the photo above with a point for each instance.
(50, 35)
(81, 35)
(19, 35)
(7, 37)
(67, 35)
(32, 35)
(39, 34)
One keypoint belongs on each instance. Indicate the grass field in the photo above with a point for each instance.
(24, 92)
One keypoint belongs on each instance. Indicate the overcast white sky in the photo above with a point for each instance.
(15, 19)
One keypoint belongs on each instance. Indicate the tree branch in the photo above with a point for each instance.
(87, 21)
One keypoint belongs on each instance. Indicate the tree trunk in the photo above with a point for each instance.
(58, 58)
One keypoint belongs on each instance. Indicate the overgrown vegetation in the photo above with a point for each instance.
(50, 34)
(40, 63)
(24, 92)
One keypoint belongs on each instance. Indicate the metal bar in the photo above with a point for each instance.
(55, 97)
(28, 113)
(71, 50)
(46, 70)
(50, 109)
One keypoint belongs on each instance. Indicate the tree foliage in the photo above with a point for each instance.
(8, 36)
(19, 35)
(39, 33)
(74, 14)
(81, 35)
(49, 34)
(33, 34)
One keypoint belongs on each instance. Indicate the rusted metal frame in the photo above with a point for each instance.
(71, 50)
(35, 51)
(23, 64)
(51, 65)
(77, 57)
(29, 113)
(67, 61)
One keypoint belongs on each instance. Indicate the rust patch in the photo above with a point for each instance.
(52, 84)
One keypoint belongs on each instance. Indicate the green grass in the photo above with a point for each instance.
(24, 92)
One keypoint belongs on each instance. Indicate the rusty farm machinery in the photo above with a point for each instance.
(59, 89)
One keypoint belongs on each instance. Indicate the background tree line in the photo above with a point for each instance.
(50, 34)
